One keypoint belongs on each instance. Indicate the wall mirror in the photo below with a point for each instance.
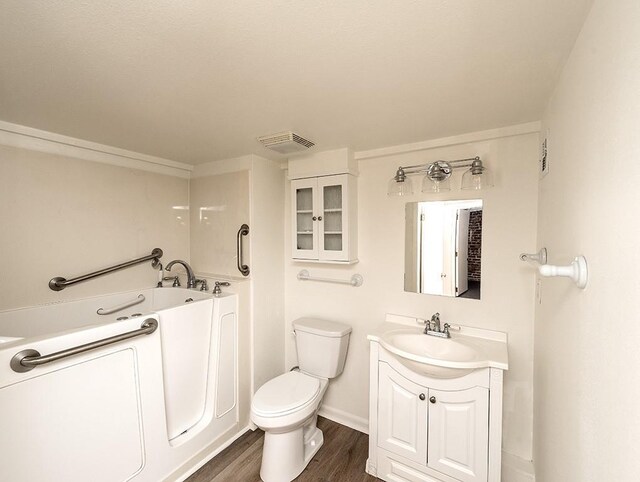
(443, 247)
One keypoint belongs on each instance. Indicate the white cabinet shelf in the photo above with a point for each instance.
(324, 219)
(433, 429)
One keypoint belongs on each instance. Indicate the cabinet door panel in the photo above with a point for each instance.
(304, 199)
(402, 416)
(459, 433)
(332, 227)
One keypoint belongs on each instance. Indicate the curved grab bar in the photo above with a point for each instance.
(243, 231)
(128, 304)
(59, 283)
(27, 360)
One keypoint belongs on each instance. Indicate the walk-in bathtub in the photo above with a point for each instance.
(143, 408)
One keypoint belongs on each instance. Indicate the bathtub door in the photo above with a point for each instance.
(75, 424)
(186, 345)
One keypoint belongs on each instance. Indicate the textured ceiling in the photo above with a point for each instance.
(196, 81)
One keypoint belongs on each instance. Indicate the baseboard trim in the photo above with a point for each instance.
(343, 418)
(517, 469)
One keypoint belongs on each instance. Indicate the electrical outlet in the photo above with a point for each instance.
(544, 155)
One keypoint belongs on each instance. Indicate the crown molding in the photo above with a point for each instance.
(515, 130)
(15, 135)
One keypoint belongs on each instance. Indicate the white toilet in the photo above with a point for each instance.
(286, 407)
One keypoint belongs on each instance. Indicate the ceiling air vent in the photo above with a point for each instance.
(286, 142)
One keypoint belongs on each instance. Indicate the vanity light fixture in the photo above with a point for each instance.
(437, 174)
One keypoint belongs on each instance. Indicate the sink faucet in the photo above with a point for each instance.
(191, 277)
(435, 322)
(433, 327)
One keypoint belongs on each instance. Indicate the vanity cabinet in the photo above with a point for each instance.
(433, 429)
(324, 219)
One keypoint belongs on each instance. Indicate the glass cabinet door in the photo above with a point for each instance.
(332, 228)
(320, 218)
(332, 217)
(305, 223)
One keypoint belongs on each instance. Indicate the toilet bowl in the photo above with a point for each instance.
(286, 407)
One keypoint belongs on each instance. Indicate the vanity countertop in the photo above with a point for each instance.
(468, 348)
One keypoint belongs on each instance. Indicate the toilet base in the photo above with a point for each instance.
(285, 455)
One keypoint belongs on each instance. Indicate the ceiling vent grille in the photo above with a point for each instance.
(286, 142)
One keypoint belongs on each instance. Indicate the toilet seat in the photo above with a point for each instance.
(285, 394)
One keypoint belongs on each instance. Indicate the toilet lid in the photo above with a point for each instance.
(285, 393)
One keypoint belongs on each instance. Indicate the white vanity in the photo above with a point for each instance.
(435, 404)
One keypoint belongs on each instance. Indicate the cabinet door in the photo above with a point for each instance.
(332, 218)
(459, 433)
(304, 224)
(402, 415)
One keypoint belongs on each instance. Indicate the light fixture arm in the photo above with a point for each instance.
(424, 168)
(437, 174)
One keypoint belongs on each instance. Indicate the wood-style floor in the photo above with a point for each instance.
(341, 458)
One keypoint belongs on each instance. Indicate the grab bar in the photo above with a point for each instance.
(243, 268)
(58, 283)
(128, 304)
(355, 280)
(27, 360)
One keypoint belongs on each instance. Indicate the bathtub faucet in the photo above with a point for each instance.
(191, 277)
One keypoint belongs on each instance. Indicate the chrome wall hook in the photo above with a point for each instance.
(540, 257)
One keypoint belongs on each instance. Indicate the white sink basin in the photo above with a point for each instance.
(442, 357)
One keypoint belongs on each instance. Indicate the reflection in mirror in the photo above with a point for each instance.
(443, 241)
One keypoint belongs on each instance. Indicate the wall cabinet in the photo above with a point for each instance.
(433, 430)
(324, 219)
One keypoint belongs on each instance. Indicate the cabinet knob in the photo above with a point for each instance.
(319, 218)
(422, 396)
(432, 399)
(314, 218)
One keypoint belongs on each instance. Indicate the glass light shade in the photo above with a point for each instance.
(478, 181)
(430, 186)
(399, 188)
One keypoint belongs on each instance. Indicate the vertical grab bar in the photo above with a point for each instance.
(243, 231)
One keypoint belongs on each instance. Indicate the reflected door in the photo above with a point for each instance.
(462, 251)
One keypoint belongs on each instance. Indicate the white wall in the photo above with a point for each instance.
(508, 285)
(62, 216)
(220, 204)
(587, 354)
(267, 272)
(262, 248)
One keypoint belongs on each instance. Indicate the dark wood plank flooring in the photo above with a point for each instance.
(341, 458)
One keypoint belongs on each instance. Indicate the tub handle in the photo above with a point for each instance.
(27, 360)
(128, 304)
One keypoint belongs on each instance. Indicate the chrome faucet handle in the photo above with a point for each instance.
(217, 291)
(175, 279)
(446, 329)
(203, 284)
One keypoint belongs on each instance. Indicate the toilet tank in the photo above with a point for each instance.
(321, 346)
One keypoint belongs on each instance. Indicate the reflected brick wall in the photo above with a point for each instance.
(475, 244)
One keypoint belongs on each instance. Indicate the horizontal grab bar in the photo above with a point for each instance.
(27, 360)
(59, 283)
(128, 304)
(355, 280)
